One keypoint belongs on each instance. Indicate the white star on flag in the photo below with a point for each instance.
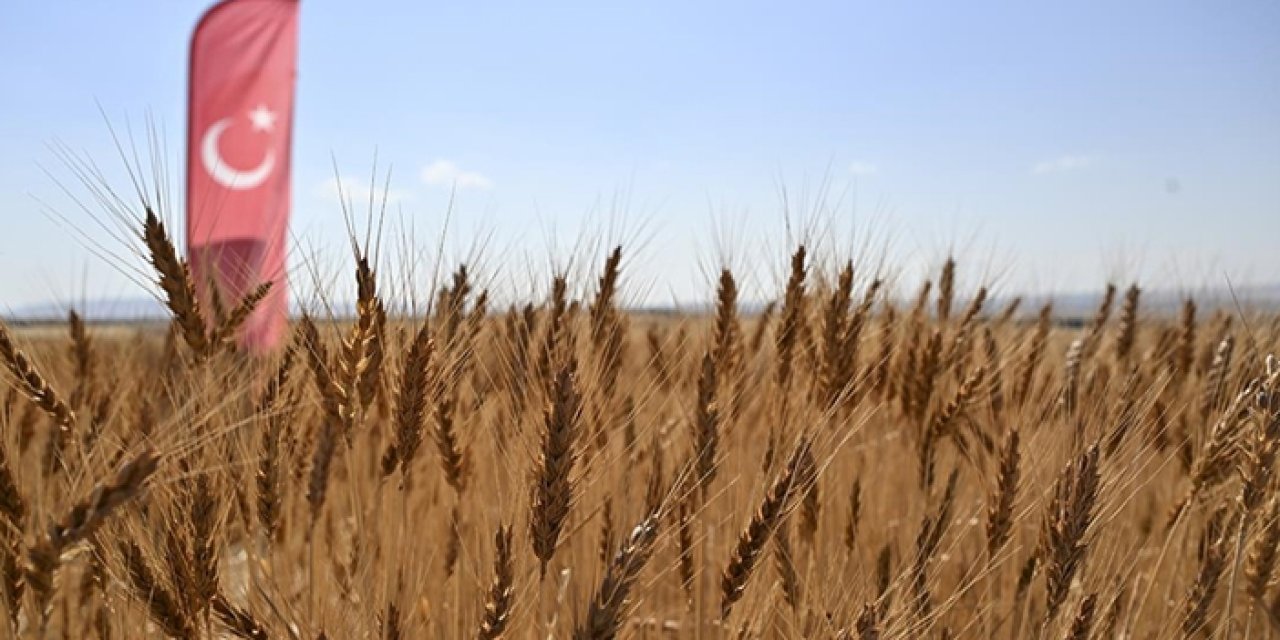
(263, 118)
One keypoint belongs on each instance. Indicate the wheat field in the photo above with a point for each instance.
(854, 461)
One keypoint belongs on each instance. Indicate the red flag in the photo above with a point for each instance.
(239, 121)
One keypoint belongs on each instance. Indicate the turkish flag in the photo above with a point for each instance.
(239, 120)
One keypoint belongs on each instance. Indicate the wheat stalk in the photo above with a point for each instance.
(1062, 539)
(553, 482)
(174, 278)
(81, 520)
(798, 474)
(608, 609)
(497, 608)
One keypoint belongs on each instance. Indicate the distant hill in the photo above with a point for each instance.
(1160, 302)
(1079, 304)
(124, 309)
(1066, 306)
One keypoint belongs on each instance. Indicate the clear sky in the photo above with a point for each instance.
(1053, 147)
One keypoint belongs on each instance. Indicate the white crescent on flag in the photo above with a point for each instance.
(223, 173)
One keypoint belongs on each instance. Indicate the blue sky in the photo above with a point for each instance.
(1052, 147)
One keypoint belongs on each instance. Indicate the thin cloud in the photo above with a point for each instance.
(863, 169)
(356, 191)
(1062, 164)
(444, 173)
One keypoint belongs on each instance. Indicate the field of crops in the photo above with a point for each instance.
(864, 458)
